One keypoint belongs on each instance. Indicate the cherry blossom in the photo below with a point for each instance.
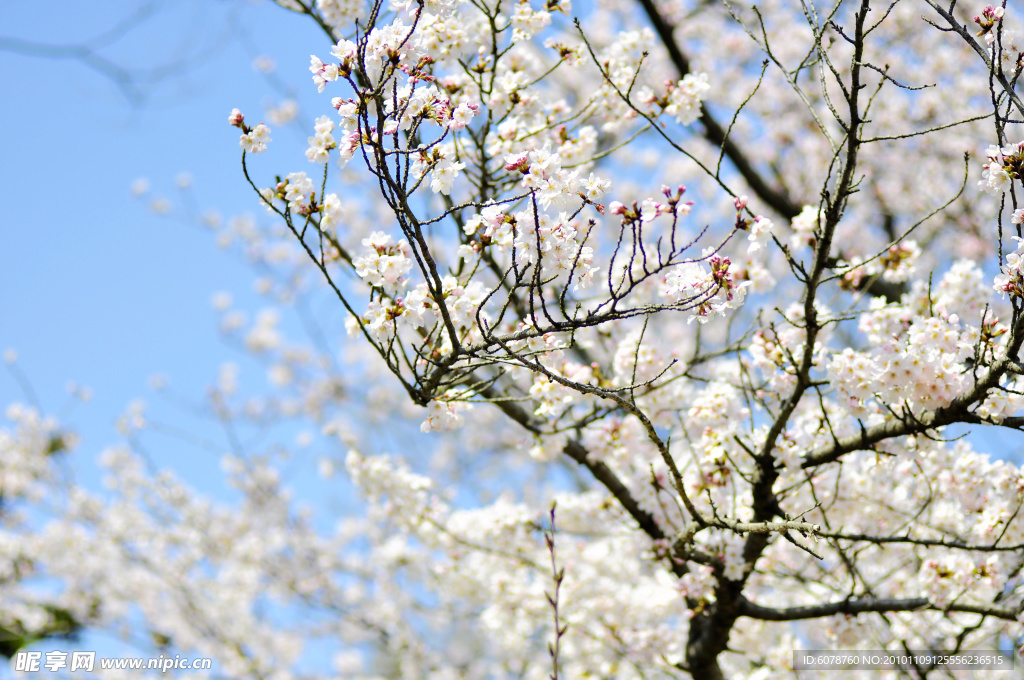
(524, 220)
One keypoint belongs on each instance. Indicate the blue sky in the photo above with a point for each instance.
(95, 287)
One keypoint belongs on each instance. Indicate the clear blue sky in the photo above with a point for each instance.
(94, 286)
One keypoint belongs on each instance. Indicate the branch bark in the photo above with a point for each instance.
(863, 606)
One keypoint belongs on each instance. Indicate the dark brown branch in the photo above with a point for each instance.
(867, 605)
(710, 630)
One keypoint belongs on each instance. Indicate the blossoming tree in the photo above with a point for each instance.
(723, 286)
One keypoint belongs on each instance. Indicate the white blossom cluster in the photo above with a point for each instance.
(555, 293)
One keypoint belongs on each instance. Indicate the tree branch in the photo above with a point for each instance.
(867, 605)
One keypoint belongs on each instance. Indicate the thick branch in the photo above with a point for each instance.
(709, 633)
(863, 606)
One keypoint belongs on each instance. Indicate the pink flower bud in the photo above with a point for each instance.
(520, 162)
(617, 208)
(236, 118)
